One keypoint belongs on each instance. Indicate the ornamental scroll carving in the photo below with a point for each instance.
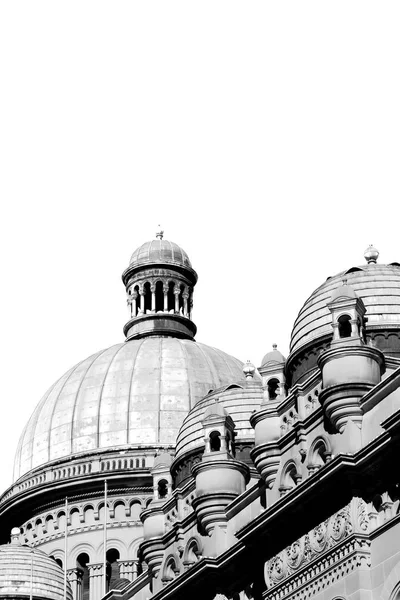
(352, 519)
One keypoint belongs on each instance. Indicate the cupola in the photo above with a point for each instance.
(219, 477)
(159, 284)
(349, 367)
(272, 371)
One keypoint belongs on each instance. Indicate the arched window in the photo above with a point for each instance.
(171, 296)
(170, 570)
(215, 441)
(58, 561)
(147, 297)
(290, 478)
(162, 488)
(319, 455)
(273, 388)
(159, 296)
(112, 557)
(82, 562)
(344, 326)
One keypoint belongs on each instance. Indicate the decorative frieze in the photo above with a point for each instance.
(333, 548)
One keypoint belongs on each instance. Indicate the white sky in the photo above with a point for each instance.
(263, 136)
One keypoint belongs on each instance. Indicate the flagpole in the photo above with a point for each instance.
(65, 548)
(31, 594)
(105, 540)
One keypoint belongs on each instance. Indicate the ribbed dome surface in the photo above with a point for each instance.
(240, 401)
(15, 574)
(160, 251)
(137, 392)
(378, 286)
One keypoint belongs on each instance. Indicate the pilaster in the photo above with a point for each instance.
(95, 581)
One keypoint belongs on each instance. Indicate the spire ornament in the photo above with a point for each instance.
(371, 254)
(159, 233)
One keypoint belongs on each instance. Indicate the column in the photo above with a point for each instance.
(354, 328)
(185, 296)
(75, 577)
(128, 569)
(142, 293)
(191, 306)
(165, 290)
(176, 293)
(95, 581)
(153, 297)
(133, 304)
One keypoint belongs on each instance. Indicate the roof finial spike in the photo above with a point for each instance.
(371, 254)
(160, 233)
(274, 346)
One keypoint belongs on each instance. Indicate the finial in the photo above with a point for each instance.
(15, 533)
(274, 346)
(160, 233)
(249, 370)
(371, 254)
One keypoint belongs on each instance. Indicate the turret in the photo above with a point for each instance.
(272, 371)
(349, 367)
(219, 477)
(153, 518)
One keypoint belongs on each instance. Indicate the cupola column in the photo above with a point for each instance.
(165, 290)
(133, 304)
(176, 293)
(153, 297)
(185, 297)
(142, 293)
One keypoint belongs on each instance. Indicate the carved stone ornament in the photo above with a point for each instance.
(309, 548)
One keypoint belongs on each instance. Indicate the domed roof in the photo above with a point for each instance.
(273, 358)
(379, 287)
(239, 400)
(16, 562)
(159, 251)
(136, 392)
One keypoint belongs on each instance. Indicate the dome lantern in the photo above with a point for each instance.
(159, 283)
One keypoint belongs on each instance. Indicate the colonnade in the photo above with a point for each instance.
(160, 296)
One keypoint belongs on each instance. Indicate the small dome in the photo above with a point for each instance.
(240, 400)
(160, 251)
(376, 284)
(343, 291)
(216, 410)
(134, 393)
(273, 358)
(162, 460)
(16, 562)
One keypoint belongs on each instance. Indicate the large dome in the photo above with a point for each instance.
(159, 251)
(134, 393)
